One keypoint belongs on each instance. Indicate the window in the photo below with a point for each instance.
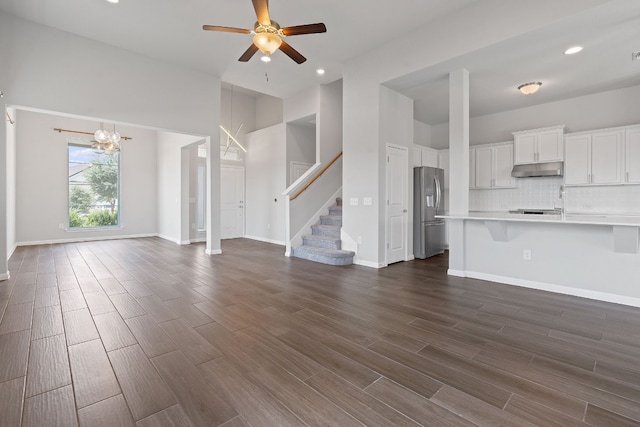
(94, 190)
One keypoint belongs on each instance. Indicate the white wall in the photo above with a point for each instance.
(461, 33)
(600, 110)
(422, 134)
(266, 179)
(42, 182)
(269, 111)
(139, 90)
(329, 122)
(172, 167)
(301, 146)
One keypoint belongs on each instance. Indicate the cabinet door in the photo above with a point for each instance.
(502, 166)
(443, 163)
(484, 167)
(550, 146)
(429, 157)
(577, 159)
(525, 148)
(606, 158)
(633, 156)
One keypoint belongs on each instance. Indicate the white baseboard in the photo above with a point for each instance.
(5, 276)
(566, 290)
(199, 240)
(213, 251)
(11, 251)
(84, 239)
(368, 263)
(185, 242)
(457, 273)
(262, 239)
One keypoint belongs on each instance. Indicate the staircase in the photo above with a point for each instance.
(324, 244)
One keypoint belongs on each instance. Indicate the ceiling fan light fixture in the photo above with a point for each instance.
(267, 42)
(529, 88)
(265, 58)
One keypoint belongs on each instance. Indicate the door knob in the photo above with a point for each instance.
(404, 210)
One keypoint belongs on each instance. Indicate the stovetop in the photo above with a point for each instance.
(536, 211)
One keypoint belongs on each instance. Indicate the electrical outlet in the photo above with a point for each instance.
(353, 201)
(359, 240)
(526, 254)
(61, 226)
(367, 201)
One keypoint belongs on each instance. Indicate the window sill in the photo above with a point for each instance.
(93, 229)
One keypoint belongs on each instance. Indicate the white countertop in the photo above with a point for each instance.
(568, 219)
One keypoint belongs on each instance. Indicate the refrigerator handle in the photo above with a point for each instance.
(438, 195)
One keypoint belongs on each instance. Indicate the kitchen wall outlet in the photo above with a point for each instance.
(367, 201)
(353, 201)
(359, 240)
(61, 226)
(526, 254)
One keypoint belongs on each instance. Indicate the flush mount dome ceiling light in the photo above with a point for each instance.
(529, 88)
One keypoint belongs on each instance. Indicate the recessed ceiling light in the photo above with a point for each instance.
(266, 58)
(572, 50)
(113, 1)
(320, 71)
(529, 88)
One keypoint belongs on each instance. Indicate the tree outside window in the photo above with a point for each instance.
(93, 186)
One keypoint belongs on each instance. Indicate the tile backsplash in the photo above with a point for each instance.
(543, 193)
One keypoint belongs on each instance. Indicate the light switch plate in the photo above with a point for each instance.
(367, 201)
(353, 201)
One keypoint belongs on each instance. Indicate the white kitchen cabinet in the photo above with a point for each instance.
(632, 156)
(594, 158)
(425, 156)
(493, 165)
(539, 145)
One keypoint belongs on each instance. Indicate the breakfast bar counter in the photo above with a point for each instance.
(593, 256)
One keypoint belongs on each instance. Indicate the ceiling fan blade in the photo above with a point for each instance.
(262, 11)
(304, 29)
(226, 29)
(248, 53)
(292, 53)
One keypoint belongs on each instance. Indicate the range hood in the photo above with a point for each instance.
(538, 169)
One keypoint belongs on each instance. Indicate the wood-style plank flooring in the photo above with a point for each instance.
(144, 332)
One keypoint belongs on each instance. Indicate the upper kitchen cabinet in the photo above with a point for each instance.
(594, 157)
(539, 145)
(493, 165)
(425, 156)
(632, 155)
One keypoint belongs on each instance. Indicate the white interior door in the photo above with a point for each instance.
(397, 206)
(231, 202)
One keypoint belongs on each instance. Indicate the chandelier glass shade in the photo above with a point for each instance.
(267, 42)
(106, 142)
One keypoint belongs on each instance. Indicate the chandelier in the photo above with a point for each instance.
(106, 142)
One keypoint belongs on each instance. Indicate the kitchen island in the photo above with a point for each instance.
(592, 256)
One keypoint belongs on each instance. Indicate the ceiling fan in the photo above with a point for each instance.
(268, 34)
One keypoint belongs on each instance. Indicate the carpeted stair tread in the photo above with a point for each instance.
(324, 255)
(318, 240)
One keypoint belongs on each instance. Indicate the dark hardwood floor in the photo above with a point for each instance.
(145, 332)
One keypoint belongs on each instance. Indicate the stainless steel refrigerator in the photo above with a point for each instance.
(428, 201)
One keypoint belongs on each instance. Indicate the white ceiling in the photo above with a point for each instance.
(171, 30)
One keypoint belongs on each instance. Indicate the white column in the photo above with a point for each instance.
(458, 165)
(4, 269)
